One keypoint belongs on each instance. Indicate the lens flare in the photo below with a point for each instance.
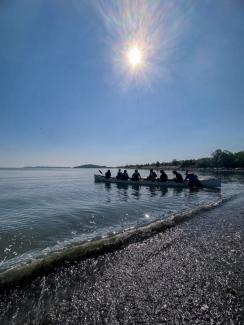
(142, 37)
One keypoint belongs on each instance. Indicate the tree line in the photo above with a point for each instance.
(219, 159)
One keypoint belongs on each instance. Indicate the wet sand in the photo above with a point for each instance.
(189, 274)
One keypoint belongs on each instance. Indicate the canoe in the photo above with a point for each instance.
(209, 183)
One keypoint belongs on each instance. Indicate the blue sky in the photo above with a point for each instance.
(67, 96)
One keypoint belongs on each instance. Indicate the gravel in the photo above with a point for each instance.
(190, 274)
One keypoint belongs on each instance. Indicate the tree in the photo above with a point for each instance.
(187, 163)
(216, 157)
(239, 159)
(204, 163)
(223, 158)
(175, 162)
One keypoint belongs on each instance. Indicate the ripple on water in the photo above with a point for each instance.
(45, 209)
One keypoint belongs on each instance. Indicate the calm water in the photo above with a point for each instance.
(45, 210)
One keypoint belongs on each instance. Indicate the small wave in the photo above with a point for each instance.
(97, 246)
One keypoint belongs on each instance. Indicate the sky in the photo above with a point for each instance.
(70, 95)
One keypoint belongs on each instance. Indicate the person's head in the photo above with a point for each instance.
(136, 171)
(151, 169)
(119, 170)
(187, 172)
(162, 171)
(174, 172)
(125, 171)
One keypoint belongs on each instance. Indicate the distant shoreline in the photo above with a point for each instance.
(34, 167)
(44, 167)
(170, 168)
(207, 169)
(91, 166)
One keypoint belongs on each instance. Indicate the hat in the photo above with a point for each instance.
(188, 172)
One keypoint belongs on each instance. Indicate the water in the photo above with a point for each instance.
(48, 210)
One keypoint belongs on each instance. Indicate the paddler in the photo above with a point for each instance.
(136, 176)
(108, 174)
(125, 176)
(163, 176)
(178, 177)
(193, 180)
(152, 176)
(119, 174)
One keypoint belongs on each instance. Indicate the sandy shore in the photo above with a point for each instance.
(190, 274)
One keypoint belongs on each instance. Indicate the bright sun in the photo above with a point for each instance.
(134, 56)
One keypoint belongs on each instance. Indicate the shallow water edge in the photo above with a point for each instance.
(93, 248)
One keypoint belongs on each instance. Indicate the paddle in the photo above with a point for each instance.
(100, 171)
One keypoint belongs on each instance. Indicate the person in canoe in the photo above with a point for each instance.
(163, 177)
(152, 176)
(125, 176)
(119, 174)
(108, 174)
(136, 176)
(193, 181)
(178, 177)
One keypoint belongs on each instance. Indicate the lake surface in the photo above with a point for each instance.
(48, 210)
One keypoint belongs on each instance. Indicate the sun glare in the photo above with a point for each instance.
(134, 56)
(143, 36)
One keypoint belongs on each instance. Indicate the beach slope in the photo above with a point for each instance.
(192, 273)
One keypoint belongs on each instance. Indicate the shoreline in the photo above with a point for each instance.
(96, 247)
(201, 170)
(191, 273)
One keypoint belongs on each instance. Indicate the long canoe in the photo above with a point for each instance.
(210, 182)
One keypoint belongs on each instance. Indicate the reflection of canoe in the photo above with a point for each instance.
(210, 182)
